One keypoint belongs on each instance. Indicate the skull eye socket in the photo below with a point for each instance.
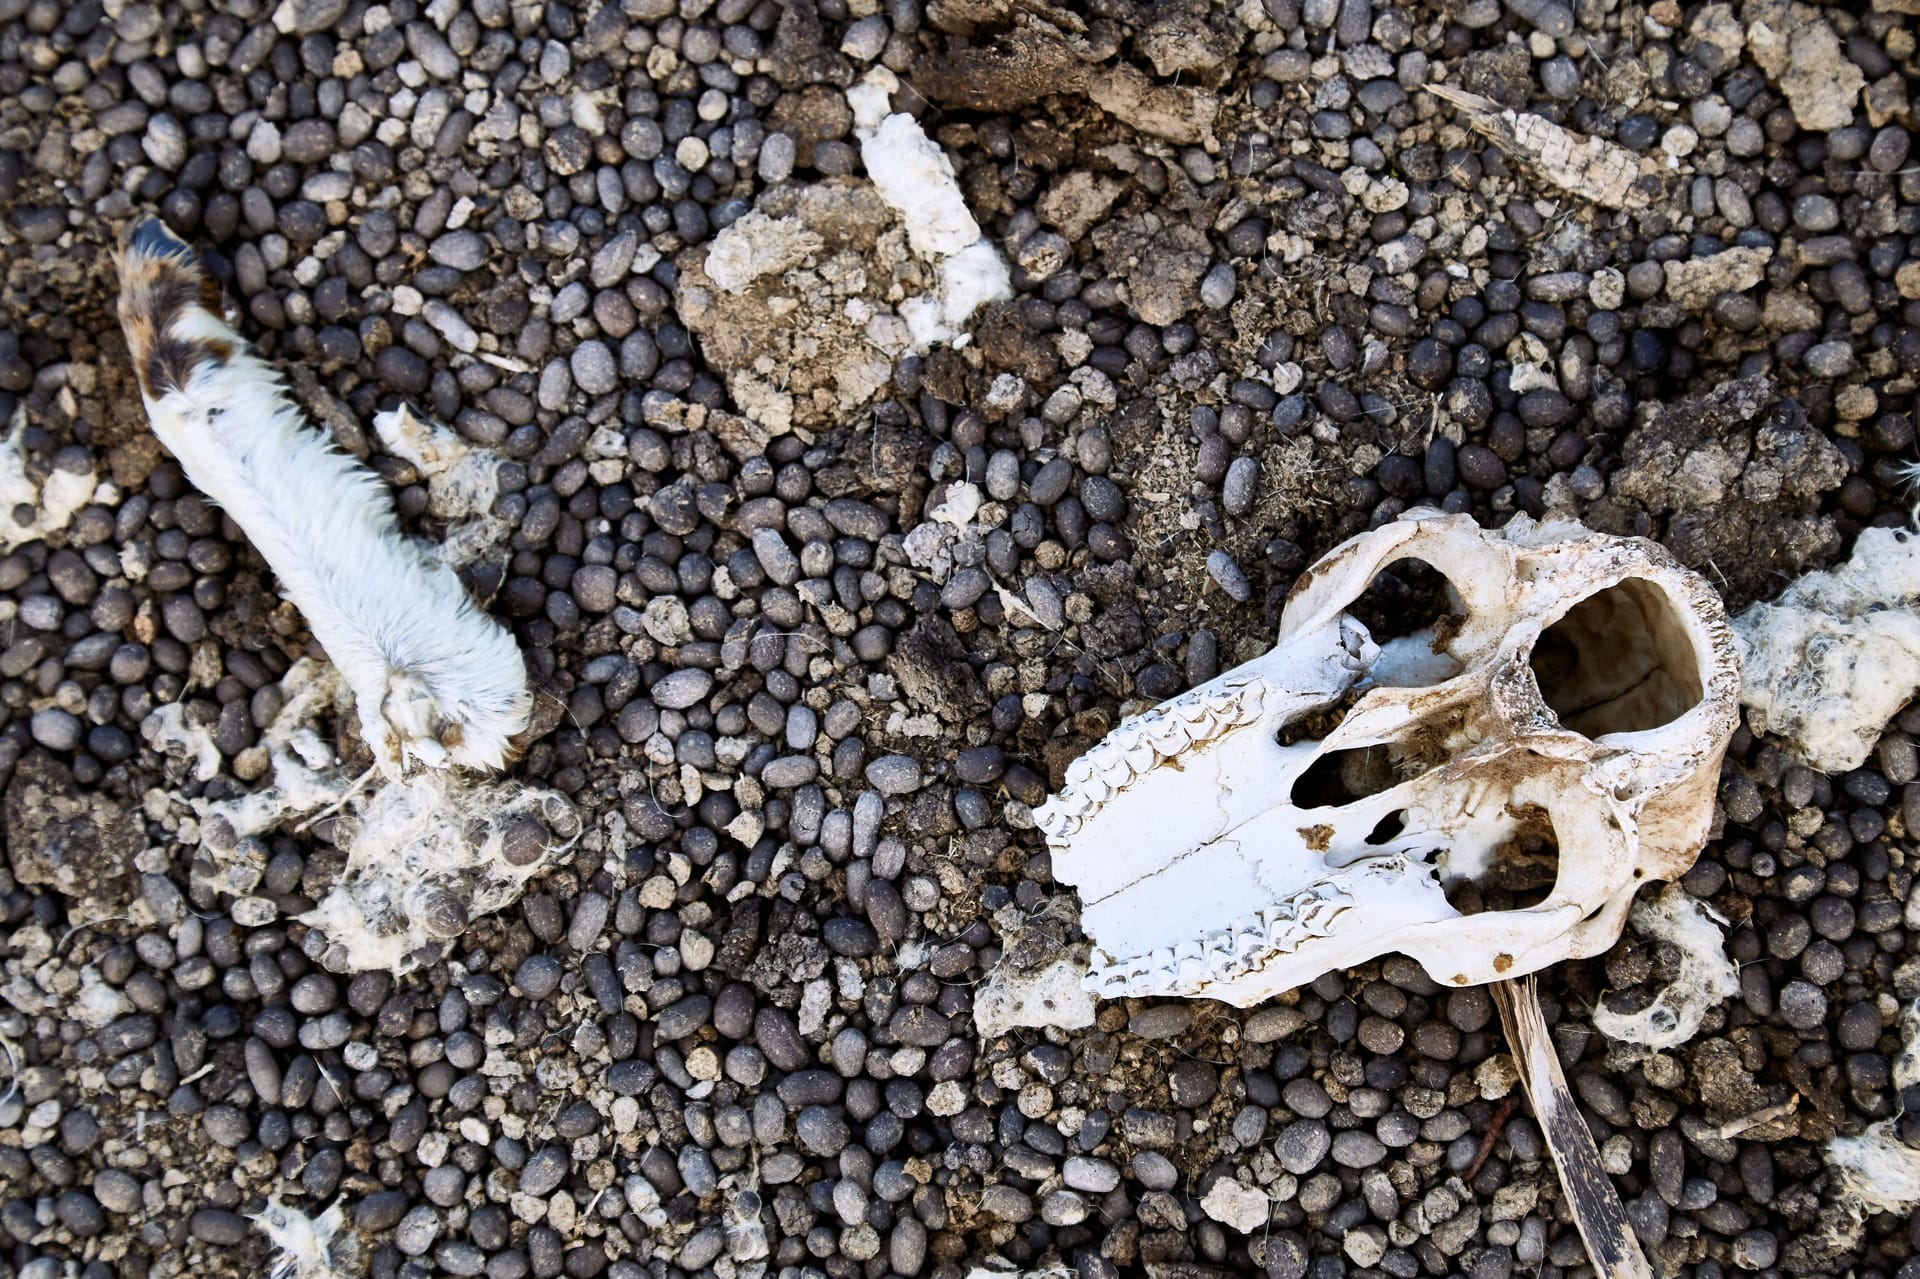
(1521, 871)
(1413, 613)
(1620, 661)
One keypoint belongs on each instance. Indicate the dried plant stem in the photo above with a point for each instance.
(1597, 1212)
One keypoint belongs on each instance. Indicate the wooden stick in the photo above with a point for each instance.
(1597, 1212)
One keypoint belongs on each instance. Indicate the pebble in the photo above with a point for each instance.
(1217, 287)
(1357, 1150)
(593, 367)
(1228, 576)
(538, 976)
(1302, 1145)
(461, 250)
(894, 774)
(1161, 1021)
(218, 1226)
(1241, 487)
(1802, 1005)
(1093, 1176)
(56, 730)
(681, 689)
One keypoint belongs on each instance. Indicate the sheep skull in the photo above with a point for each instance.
(1319, 805)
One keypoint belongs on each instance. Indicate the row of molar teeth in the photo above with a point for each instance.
(1220, 954)
(1141, 744)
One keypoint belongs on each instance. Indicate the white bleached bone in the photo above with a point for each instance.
(1581, 698)
(435, 680)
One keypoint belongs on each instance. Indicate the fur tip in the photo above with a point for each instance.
(169, 310)
(150, 236)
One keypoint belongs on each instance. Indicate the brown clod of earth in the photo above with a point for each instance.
(79, 843)
(1028, 64)
(1739, 476)
(931, 667)
(798, 344)
(1012, 72)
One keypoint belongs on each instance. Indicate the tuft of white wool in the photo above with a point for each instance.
(435, 680)
(304, 776)
(1706, 977)
(463, 481)
(1828, 663)
(426, 854)
(1878, 1171)
(52, 501)
(310, 1247)
(1875, 1171)
(167, 731)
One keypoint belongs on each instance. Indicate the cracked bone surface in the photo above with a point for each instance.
(1342, 796)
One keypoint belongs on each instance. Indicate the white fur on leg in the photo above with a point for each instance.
(435, 680)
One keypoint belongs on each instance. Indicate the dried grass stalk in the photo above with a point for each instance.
(1597, 1212)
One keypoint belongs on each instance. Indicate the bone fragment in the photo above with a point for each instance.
(916, 179)
(1591, 168)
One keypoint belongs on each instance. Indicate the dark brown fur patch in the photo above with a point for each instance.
(155, 291)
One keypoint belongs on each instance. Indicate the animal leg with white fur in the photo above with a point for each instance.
(435, 680)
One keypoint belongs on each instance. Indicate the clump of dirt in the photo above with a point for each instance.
(79, 843)
(1730, 480)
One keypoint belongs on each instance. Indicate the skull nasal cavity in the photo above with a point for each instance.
(1340, 777)
(1618, 662)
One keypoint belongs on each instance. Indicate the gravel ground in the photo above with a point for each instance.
(1269, 293)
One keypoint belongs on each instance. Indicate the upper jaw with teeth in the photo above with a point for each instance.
(1209, 864)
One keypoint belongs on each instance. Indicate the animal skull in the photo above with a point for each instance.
(1318, 806)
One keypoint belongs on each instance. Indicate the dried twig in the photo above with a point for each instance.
(1597, 1212)
(1494, 1127)
(1759, 1118)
